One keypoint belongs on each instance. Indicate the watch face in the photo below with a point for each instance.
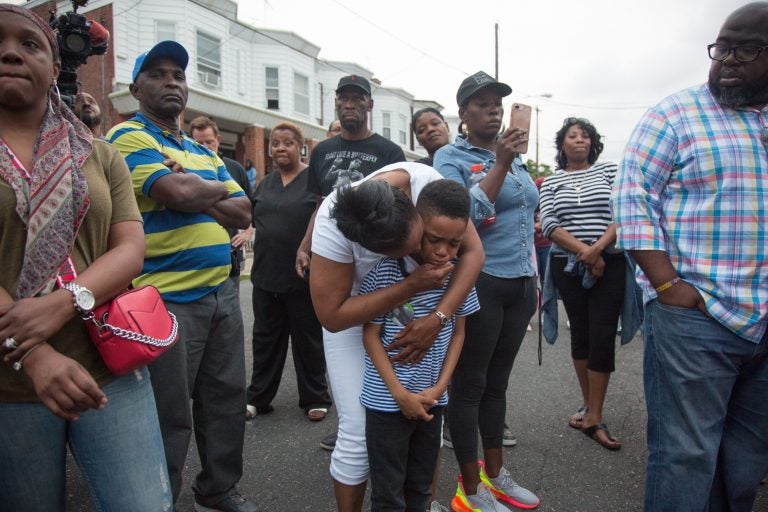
(85, 300)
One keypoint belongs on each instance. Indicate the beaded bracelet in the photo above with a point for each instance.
(17, 365)
(668, 285)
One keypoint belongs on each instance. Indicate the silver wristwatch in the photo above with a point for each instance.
(443, 318)
(82, 298)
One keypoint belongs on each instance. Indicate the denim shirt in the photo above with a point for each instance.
(506, 226)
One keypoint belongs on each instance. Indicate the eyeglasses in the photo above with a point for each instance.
(743, 54)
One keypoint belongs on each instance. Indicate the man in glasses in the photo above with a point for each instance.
(691, 201)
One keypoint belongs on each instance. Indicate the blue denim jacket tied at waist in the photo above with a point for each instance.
(631, 310)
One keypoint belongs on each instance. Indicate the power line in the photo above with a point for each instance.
(601, 107)
(245, 27)
(115, 15)
(399, 39)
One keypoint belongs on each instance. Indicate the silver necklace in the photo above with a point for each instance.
(577, 186)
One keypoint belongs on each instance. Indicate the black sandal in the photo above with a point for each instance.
(612, 443)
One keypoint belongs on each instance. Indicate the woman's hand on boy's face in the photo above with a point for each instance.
(429, 276)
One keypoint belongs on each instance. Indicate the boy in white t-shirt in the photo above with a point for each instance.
(404, 402)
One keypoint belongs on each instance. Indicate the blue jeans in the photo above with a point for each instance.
(118, 449)
(705, 389)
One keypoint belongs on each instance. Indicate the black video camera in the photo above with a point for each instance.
(78, 39)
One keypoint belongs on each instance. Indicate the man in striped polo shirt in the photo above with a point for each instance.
(185, 214)
(691, 201)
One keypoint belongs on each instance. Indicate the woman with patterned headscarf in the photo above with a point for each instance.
(71, 238)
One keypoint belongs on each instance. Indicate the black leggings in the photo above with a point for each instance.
(594, 313)
(479, 385)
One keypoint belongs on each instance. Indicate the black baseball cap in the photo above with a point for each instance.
(354, 81)
(474, 83)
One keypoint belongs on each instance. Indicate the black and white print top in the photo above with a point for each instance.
(578, 201)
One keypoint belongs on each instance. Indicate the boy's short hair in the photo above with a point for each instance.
(445, 198)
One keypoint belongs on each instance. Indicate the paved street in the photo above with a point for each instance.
(287, 471)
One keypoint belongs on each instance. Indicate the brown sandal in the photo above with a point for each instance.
(577, 420)
(608, 441)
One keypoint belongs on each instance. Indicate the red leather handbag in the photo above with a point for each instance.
(133, 329)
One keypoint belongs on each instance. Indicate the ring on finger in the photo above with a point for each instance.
(10, 344)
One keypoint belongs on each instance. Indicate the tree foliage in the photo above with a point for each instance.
(542, 170)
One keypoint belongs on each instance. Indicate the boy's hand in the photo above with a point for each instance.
(414, 406)
(432, 394)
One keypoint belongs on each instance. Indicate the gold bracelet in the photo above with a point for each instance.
(668, 285)
(17, 365)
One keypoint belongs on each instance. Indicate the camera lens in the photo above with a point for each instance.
(75, 43)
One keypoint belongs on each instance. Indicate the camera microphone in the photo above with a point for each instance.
(99, 34)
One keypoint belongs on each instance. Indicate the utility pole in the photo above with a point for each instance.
(537, 109)
(537, 140)
(496, 46)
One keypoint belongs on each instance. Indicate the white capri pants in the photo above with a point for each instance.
(345, 359)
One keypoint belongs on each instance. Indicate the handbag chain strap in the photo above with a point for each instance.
(135, 336)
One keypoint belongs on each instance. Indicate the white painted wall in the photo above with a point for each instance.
(398, 104)
(245, 53)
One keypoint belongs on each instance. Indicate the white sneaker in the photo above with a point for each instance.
(507, 490)
(484, 500)
(437, 507)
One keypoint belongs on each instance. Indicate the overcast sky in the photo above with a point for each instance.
(606, 60)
